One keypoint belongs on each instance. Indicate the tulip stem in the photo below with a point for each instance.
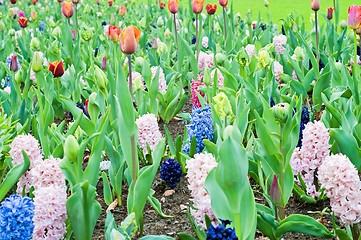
(334, 8)
(76, 18)
(134, 170)
(60, 10)
(225, 26)
(197, 35)
(282, 176)
(175, 31)
(130, 84)
(317, 51)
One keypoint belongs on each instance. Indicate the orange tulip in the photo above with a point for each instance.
(129, 39)
(354, 17)
(211, 9)
(67, 9)
(223, 3)
(161, 5)
(122, 10)
(197, 6)
(173, 6)
(23, 21)
(113, 33)
(56, 68)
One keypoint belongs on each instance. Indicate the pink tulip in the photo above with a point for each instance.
(354, 17)
(315, 5)
(73, 34)
(21, 14)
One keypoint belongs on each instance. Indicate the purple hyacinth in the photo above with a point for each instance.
(171, 172)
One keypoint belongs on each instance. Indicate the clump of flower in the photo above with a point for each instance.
(50, 212)
(137, 77)
(148, 132)
(162, 83)
(219, 77)
(305, 118)
(171, 172)
(264, 59)
(222, 105)
(47, 173)
(221, 231)
(194, 89)
(16, 218)
(104, 165)
(279, 41)
(201, 127)
(339, 177)
(205, 42)
(307, 159)
(31, 146)
(251, 50)
(205, 60)
(278, 68)
(198, 169)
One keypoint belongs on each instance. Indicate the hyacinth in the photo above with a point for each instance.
(315, 148)
(222, 105)
(221, 231)
(339, 177)
(136, 75)
(219, 77)
(205, 60)
(278, 68)
(279, 41)
(50, 212)
(47, 173)
(148, 132)
(162, 83)
(305, 118)
(201, 127)
(31, 146)
(171, 172)
(358, 61)
(198, 168)
(205, 42)
(251, 50)
(104, 165)
(194, 89)
(16, 218)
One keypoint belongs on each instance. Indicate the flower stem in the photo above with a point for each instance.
(197, 35)
(76, 18)
(134, 170)
(130, 84)
(225, 26)
(175, 32)
(355, 230)
(282, 175)
(317, 51)
(334, 8)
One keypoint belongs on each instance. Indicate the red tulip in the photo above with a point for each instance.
(161, 5)
(34, 1)
(329, 13)
(113, 33)
(211, 9)
(23, 21)
(14, 63)
(13, 1)
(223, 3)
(122, 10)
(354, 17)
(56, 68)
(173, 6)
(275, 191)
(110, 3)
(197, 6)
(67, 9)
(315, 5)
(60, 1)
(75, 1)
(86, 107)
(129, 39)
(98, 2)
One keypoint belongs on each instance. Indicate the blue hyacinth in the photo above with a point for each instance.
(201, 127)
(16, 218)
(194, 40)
(41, 27)
(272, 102)
(221, 231)
(96, 52)
(171, 172)
(305, 118)
(104, 23)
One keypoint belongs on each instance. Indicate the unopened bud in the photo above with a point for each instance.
(207, 77)
(35, 44)
(100, 78)
(280, 112)
(37, 63)
(220, 58)
(275, 192)
(71, 148)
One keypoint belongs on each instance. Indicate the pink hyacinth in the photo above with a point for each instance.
(32, 148)
(251, 50)
(315, 148)
(205, 60)
(148, 132)
(48, 173)
(194, 89)
(278, 68)
(136, 75)
(358, 61)
(198, 168)
(205, 42)
(219, 76)
(50, 213)
(162, 83)
(279, 41)
(339, 177)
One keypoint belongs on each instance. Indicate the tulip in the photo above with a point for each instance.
(34, 15)
(13, 1)
(280, 112)
(67, 9)
(98, 2)
(37, 63)
(223, 3)
(100, 79)
(122, 10)
(110, 3)
(329, 13)
(73, 35)
(71, 148)
(197, 6)
(59, 1)
(173, 6)
(104, 63)
(23, 21)
(35, 44)
(129, 39)
(86, 107)
(56, 68)
(275, 192)
(315, 5)
(211, 9)
(354, 17)
(161, 5)
(75, 1)
(14, 63)
(113, 33)
(34, 2)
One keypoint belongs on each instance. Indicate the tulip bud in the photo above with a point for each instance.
(137, 83)
(173, 6)
(160, 22)
(155, 43)
(35, 44)
(266, 3)
(280, 112)
(329, 13)
(112, 19)
(104, 63)
(228, 131)
(237, 19)
(55, 47)
(71, 148)
(220, 58)
(167, 34)
(98, 2)
(67, 9)
(14, 63)
(275, 192)
(223, 3)
(51, 23)
(100, 79)
(86, 34)
(11, 32)
(122, 10)
(315, 5)
(92, 98)
(300, 55)
(162, 48)
(264, 59)
(338, 66)
(129, 39)
(38, 61)
(197, 6)
(207, 77)
(242, 57)
(139, 61)
(19, 76)
(343, 24)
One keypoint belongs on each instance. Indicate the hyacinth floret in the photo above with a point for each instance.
(148, 132)
(279, 41)
(339, 177)
(171, 172)
(162, 82)
(201, 127)
(305, 118)
(194, 90)
(16, 218)
(221, 232)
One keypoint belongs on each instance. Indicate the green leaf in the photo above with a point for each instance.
(108, 196)
(184, 236)
(322, 83)
(154, 237)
